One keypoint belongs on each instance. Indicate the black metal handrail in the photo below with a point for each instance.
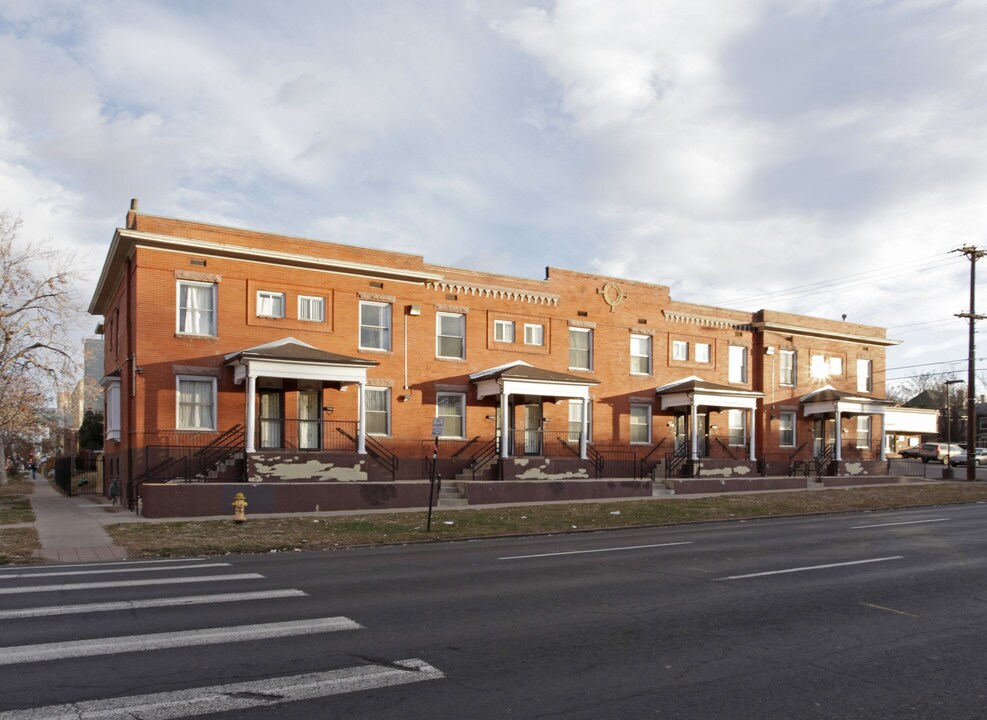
(483, 456)
(676, 458)
(305, 435)
(647, 469)
(383, 456)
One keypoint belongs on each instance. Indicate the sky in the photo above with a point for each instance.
(821, 157)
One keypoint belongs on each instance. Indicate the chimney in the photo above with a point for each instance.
(132, 215)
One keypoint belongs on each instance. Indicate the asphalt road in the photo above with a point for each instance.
(869, 615)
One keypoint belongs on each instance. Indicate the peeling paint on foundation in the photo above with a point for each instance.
(540, 474)
(738, 470)
(854, 469)
(310, 471)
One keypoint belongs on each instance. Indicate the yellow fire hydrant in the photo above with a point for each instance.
(239, 508)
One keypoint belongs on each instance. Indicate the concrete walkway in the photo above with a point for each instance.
(69, 529)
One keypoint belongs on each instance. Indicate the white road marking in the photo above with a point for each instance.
(237, 696)
(30, 570)
(890, 610)
(905, 522)
(156, 602)
(811, 567)
(128, 583)
(182, 638)
(583, 552)
(61, 573)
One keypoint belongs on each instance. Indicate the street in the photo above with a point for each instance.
(859, 615)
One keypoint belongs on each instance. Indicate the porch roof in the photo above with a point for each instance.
(828, 400)
(291, 358)
(695, 390)
(520, 378)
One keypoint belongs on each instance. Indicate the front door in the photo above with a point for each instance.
(309, 414)
(818, 437)
(270, 418)
(681, 431)
(532, 429)
(703, 443)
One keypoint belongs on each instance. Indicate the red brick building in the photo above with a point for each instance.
(234, 355)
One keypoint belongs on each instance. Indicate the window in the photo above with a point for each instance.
(702, 352)
(503, 331)
(377, 410)
(375, 326)
(111, 398)
(863, 431)
(737, 372)
(451, 335)
(270, 304)
(641, 354)
(786, 370)
(680, 350)
(641, 424)
(534, 334)
(311, 308)
(580, 349)
(786, 429)
(451, 406)
(737, 426)
(865, 381)
(822, 367)
(835, 366)
(196, 403)
(576, 421)
(196, 308)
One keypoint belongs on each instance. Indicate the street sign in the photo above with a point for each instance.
(438, 426)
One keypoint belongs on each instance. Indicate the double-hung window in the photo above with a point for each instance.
(196, 408)
(786, 367)
(576, 420)
(863, 431)
(534, 334)
(377, 410)
(641, 424)
(737, 427)
(680, 350)
(504, 331)
(737, 371)
(786, 428)
(270, 304)
(311, 308)
(450, 331)
(701, 352)
(375, 326)
(580, 348)
(865, 376)
(452, 407)
(641, 354)
(196, 308)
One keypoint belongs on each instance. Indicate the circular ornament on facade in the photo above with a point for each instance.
(612, 295)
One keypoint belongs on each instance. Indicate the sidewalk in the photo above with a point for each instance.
(69, 529)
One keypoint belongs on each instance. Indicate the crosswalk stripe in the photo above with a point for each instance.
(237, 696)
(25, 571)
(182, 638)
(128, 583)
(156, 602)
(102, 571)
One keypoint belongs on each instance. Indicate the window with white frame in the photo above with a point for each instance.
(641, 424)
(737, 427)
(504, 331)
(786, 428)
(450, 330)
(534, 334)
(576, 421)
(311, 308)
(111, 423)
(196, 407)
(786, 367)
(641, 354)
(375, 325)
(836, 366)
(701, 352)
(865, 376)
(680, 350)
(196, 308)
(377, 410)
(737, 371)
(270, 304)
(452, 407)
(863, 431)
(822, 367)
(580, 348)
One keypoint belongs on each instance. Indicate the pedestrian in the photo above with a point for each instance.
(114, 492)
(34, 470)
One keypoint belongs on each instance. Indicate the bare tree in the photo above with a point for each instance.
(37, 311)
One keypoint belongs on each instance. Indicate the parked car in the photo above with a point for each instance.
(938, 452)
(911, 451)
(979, 458)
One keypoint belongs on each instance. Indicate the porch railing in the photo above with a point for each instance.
(306, 435)
(648, 468)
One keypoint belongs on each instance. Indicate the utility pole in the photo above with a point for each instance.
(973, 254)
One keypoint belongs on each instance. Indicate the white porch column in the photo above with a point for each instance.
(361, 427)
(249, 430)
(584, 430)
(694, 429)
(504, 397)
(838, 455)
(750, 453)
